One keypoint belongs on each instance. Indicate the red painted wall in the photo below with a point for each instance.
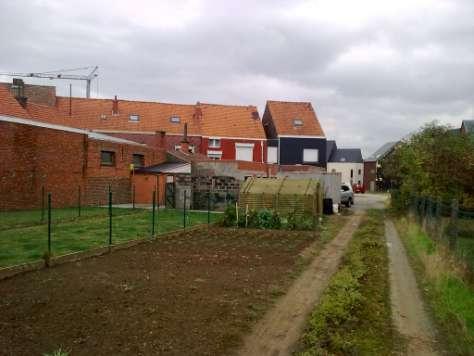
(228, 148)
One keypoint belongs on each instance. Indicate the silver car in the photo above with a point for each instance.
(347, 195)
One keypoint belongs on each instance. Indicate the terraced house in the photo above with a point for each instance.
(227, 132)
(294, 134)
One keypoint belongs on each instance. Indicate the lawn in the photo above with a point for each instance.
(23, 237)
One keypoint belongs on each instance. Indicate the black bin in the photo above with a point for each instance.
(327, 206)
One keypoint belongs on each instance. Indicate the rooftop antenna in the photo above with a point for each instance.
(60, 74)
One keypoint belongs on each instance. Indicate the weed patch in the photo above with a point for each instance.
(449, 295)
(354, 315)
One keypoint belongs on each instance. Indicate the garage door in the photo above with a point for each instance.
(244, 151)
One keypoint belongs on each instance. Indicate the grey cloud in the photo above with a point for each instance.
(248, 52)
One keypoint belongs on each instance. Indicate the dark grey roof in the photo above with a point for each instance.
(382, 151)
(168, 167)
(468, 125)
(331, 147)
(352, 155)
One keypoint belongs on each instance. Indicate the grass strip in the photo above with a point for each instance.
(448, 293)
(354, 316)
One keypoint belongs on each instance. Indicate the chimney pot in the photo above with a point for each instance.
(115, 110)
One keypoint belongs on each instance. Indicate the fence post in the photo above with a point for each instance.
(42, 203)
(184, 210)
(49, 228)
(438, 219)
(133, 196)
(110, 215)
(153, 214)
(454, 227)
(79, 202)
(208, 207)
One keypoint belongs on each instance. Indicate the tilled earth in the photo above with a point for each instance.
(194, 293)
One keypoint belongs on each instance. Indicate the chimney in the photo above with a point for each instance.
(184, 142)
(255, 115)
(18, 91)
(198, 111)
(115, 110)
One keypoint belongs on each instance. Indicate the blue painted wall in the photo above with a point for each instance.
(291, 150)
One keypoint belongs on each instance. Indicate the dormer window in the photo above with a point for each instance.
(297, 122)
(134, 117)
(175, 119)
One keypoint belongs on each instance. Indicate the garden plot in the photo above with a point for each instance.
(193, 293)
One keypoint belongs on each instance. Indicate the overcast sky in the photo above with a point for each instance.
(374, 70)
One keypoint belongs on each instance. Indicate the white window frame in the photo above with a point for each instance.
(134, 118)
(311, 152)
(214, 154)
(297, 122)
(175, 119)
(244, 145)
(214, 142)
(191, 147)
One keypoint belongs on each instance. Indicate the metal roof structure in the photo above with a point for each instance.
(346, 155)
(382, 151)
(168, 167)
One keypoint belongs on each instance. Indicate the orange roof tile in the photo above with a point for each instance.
(283, 114)
(9, 105)
(231, 121)
(202, 119)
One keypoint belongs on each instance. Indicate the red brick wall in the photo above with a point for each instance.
(119, 176)
(157, 140)
(61, 162)
(173, 140)
(370, 174)
(32, 157)
(39, 94)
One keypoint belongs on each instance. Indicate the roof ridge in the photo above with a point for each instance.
(231, 105)
(288, 102)
(122, 100)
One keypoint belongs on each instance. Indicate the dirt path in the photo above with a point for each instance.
(279, 330)
(409, 315)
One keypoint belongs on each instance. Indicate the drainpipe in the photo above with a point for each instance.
(278, 158)
(261, 145)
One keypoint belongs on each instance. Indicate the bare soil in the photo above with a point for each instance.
(278, 332)
(408, 312)
(195, 293)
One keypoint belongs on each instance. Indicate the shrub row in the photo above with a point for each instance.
(267, 219)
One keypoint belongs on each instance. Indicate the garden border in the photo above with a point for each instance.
(12, 271)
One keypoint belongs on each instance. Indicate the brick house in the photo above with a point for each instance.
(227, 132)
(294, 134)
(63, 160)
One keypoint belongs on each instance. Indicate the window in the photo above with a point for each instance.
(297, 122)
(107, 158)
(192, 148)
(310, 155)
(214, 142)
(214, 154)
(134, 117)
(352, 173)
(244, 152)
(344, 188)
(138, 160)
(360, 172)
(175, 119)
